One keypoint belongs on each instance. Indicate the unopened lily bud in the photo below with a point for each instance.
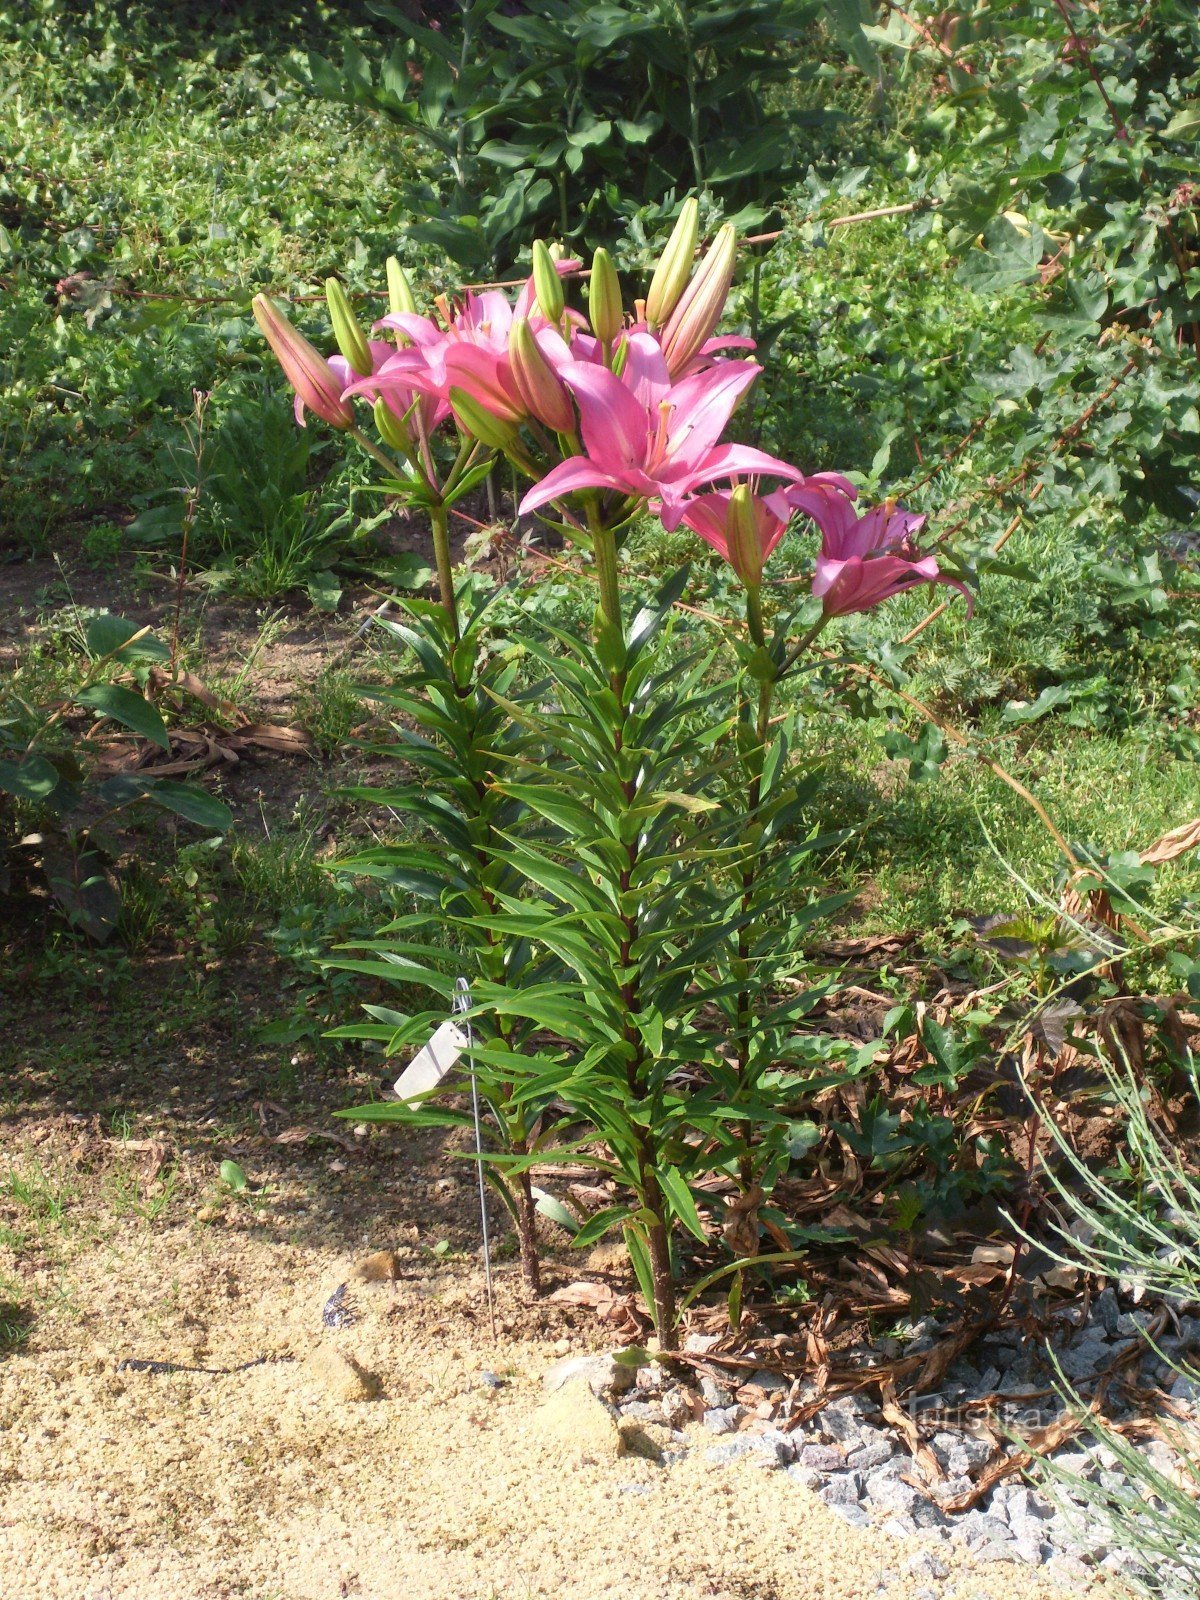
(473, 419)
(604, 298)
(351, 340)
(745, 540)
(547, 284)
(304, 367)
(400, 295)
(539, 386)
(699, 311)
(674, 265)
(391, 429)
(557, 249)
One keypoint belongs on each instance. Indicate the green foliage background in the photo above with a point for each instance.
(159, 170)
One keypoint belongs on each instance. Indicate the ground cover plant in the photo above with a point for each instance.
(888, 902)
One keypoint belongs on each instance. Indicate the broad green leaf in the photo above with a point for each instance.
(188, 800)
(131, 710)
(108, 635)
(32, 778)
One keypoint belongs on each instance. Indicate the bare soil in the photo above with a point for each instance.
(136, 1486)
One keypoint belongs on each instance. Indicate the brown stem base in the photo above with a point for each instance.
(531, 1264)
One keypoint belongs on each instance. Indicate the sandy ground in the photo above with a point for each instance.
(266, 1484)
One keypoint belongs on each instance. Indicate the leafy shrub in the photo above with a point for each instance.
(569, 116)
(55, 805)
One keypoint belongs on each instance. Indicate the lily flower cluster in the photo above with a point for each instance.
(609, 413)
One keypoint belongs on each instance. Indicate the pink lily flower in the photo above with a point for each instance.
(864, 560)
(393, 386)
(651, 439)
(715, 517)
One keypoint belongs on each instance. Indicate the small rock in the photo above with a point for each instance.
(976, 1528)
(841, 1419)
(492, 1380)
(806, 1477)
(723, 1419)
(762, 1449)
(604, 1376)
(926, 1565)
(676, 1408)
(1186, 1389)
(1030, 1549)
(871, 1455)
(1132, 1324)
(927, 1517)
(1081, 1360)
(715, 1394)
(339, 1375)
(854, 1515)
(769, 1382)
(643, 1411)
(899, 1527)
(579, 1424)
(775, 1443)
(822, 1457)
(843, 1489)
(951, 1488)
(1021, 1505)
(731, 1450)
(995, 1552)
(1077, 1463)
(652, 1378)
(1107, 1312)
(636, 1488)
(892, 1494)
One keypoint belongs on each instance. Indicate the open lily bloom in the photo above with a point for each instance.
(745, 535)
(866, 559)
(651, 439)
(397, 393)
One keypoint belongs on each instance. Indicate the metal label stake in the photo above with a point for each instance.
(461, 1006)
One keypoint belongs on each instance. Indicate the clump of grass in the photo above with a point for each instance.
(1141, 1228)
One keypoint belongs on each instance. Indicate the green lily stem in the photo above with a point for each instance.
(445, 569)
(389, 463)
(766, 691)
(604, 550)
(800, 647)
(656, 1233)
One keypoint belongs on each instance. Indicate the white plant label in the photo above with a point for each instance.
(432, 1062)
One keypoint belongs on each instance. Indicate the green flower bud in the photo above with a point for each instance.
(547, 284)
(604, 298)
(473, 419)
(745, 543)
(351, 340)
(391, 429)
(400, 295)
(674, 265)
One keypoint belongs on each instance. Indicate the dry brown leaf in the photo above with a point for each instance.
(895, 1413)
(1044, 1440)
(269, 736)
(583, 1294)
(194, 686)
(1172, 845)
